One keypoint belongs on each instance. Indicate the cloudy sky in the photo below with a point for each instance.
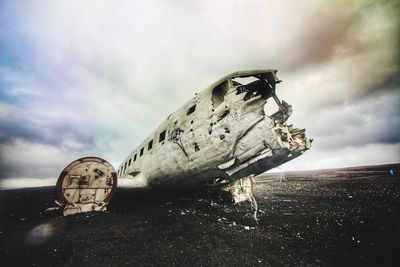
(80, 78)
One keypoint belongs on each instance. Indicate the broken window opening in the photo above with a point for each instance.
(141, 151)
(162, 136)
(218, 94)
(256, 86)
(150, 145)
(191, 110)
(270, 108)
(125, 165)
(130, 161)
(134, 158)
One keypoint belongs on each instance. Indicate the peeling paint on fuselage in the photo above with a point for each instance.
(222, 133)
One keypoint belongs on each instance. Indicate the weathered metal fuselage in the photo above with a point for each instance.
(220, 135)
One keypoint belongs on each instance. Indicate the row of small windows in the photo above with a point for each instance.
(161, 138)
(149, 147)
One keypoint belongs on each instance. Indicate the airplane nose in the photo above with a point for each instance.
(293, 139)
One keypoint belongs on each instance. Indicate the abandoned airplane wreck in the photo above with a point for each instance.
(220, 138)
(220, 135)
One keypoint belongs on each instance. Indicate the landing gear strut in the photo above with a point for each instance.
(242, 190)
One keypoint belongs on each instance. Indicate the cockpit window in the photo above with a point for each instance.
(254, 86)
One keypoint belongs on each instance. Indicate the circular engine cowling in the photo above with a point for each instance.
(86, 184)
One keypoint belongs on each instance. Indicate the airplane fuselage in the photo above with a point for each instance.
(220, 135)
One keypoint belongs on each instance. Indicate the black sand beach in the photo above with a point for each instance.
(340, 217)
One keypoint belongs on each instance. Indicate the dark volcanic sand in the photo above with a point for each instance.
(327, 218)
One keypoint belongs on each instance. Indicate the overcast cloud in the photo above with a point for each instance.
(95, 77)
